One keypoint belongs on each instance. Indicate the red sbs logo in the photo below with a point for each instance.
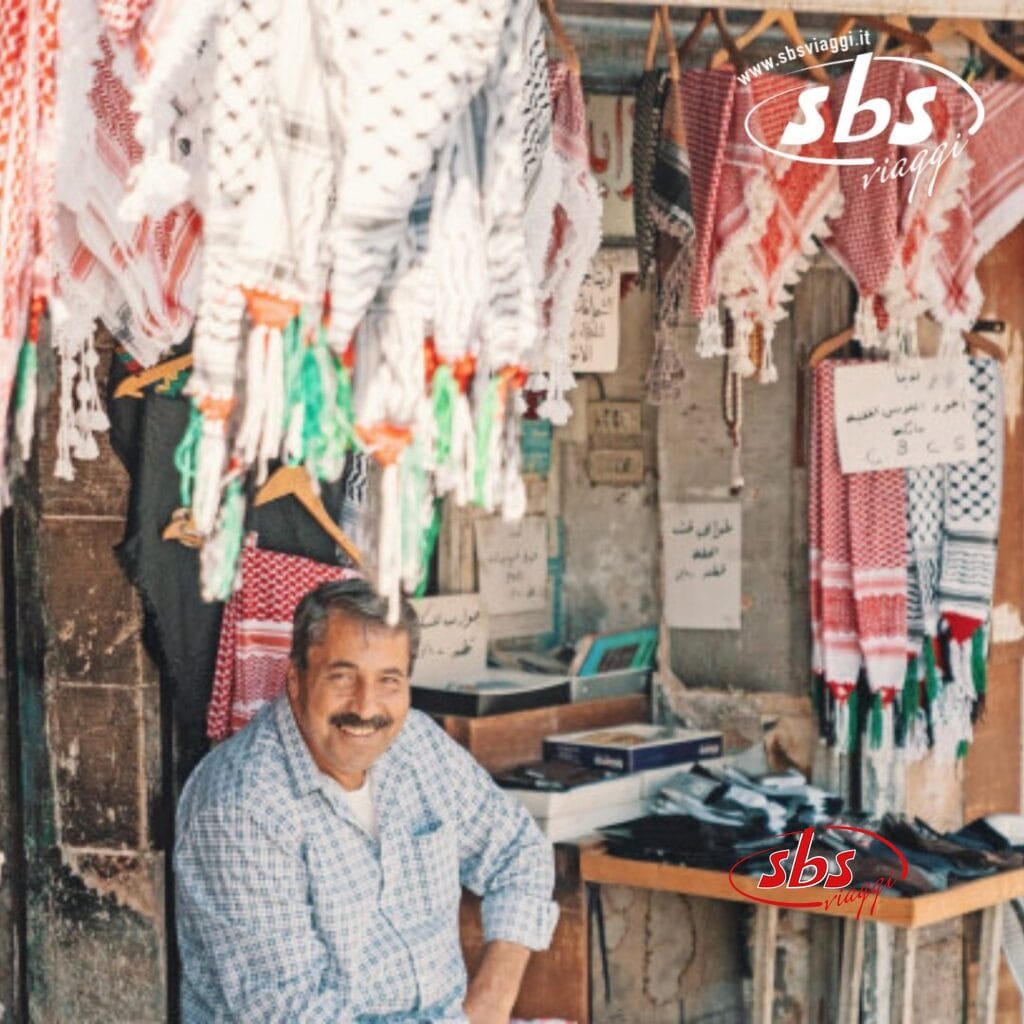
(830, 885)
(878, 117)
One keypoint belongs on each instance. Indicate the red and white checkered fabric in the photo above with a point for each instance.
(256, 634)
(709, 97)
(857, 533)
(864, 239)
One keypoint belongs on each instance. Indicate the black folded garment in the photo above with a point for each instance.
(929, 849)
(552, 776)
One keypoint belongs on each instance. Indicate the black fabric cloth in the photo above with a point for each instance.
(181, 630)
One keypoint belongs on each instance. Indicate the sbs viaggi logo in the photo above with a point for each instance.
(910, 125)
(799, 879)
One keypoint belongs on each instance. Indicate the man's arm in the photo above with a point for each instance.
(493, 989)
(242, 908)
(503, 856)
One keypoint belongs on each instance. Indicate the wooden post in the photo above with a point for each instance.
(766, 932)
(988, 973)
(852, 972)
(903, 963)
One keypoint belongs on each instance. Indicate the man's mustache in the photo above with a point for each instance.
(350, 720)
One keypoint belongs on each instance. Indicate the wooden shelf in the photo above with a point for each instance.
(899, 911)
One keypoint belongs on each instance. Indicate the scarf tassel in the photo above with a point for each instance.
(26, 397)
(219, 555)
(710, 334)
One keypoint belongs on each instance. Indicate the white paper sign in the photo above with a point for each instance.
(701, 563)
(512, 560)
(916, 413)
(453, 638)
(594, 340)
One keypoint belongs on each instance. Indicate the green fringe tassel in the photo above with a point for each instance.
(186, 454)
(485, 428)
(853, 706)
(429, 541)
(444, 391)
(931, 676)
(314, 443)
(911, 690)
(961, 749)
(342, 414)
(979, 670)
(28, 365)
(876, 721)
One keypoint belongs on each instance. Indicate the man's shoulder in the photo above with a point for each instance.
(246, 775)
(422, 737)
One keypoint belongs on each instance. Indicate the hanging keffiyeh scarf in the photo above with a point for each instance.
(804, 197)
(864, 239)
(646, 132)
(709, 97)
(997, 175)
(575, 236)
(953, 526)
(28, 47)
(857, 535)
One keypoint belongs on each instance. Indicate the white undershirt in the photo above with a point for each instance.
(360, 804)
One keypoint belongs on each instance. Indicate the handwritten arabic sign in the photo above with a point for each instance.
(594, 340)
(701, 563)
(512, 560)
(453, 638)
(916, 413)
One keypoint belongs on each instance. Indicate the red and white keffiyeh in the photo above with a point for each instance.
(865, 238)
(28, 48)
(575, 237)
(997, 175)
(858, 563)
(805, 196)
(256, 634)
(709, 97)
(139, 278)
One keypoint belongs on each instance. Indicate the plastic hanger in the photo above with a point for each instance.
(164, 373)
(974, 31)
(562, 40)
(294, 481)
(786, 21)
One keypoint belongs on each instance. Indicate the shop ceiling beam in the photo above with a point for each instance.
(991, 10)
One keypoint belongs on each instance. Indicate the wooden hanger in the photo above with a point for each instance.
(979, 343)
(294, 481)
(786, 21)
(685, 48)
(897, 27)
(825, 348)
(661, 26)
(974, 31)
(182, 528)
(164, 373)
(562, 40)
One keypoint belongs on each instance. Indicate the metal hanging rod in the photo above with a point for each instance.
(990, 10)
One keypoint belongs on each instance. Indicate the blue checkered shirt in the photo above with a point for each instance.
(288, 912)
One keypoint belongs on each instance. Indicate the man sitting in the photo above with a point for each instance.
(321, 852)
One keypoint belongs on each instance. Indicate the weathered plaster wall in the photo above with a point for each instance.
(91, 739)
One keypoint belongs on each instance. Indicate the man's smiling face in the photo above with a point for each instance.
(351, 699)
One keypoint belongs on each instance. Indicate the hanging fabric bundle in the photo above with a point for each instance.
(928, 200)
(858, 573)
(864, 239)
(28, 48)
(575, 237)
(707, 111)
(805, 195)
(672, 215)
(646, 131)
(137, 278)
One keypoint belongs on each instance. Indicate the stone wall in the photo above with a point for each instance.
(91, 745)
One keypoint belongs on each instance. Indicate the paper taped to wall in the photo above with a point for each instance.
(512, 562)
(913, 413)
(701, 564)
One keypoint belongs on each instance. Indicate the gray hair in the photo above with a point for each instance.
(356, 599)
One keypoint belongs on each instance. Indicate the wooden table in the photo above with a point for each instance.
(905, 913)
